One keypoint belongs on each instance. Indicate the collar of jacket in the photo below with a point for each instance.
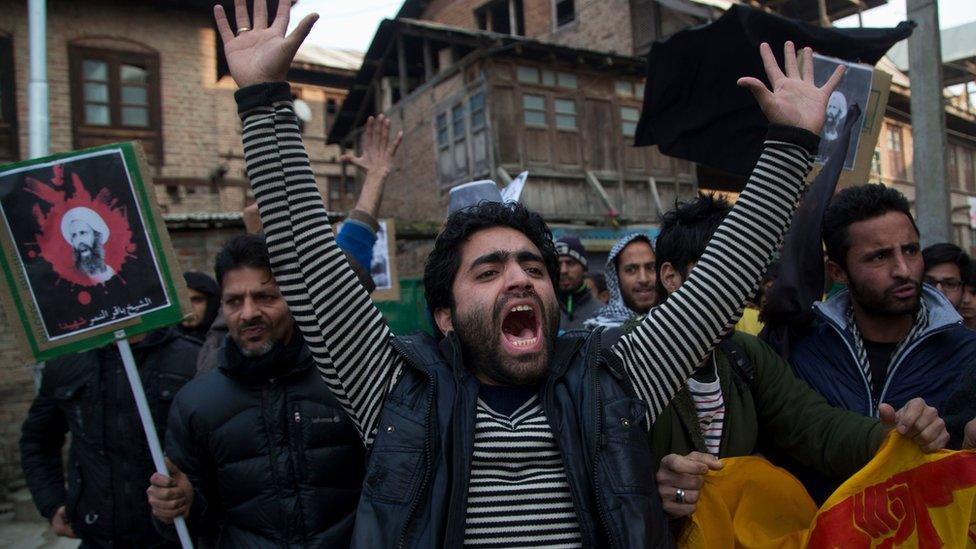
(942, 314)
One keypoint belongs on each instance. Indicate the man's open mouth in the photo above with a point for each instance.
(522, 329)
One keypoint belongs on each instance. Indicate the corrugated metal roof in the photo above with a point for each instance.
(349, 60)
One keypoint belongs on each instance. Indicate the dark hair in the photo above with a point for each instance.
(246, 250)
(945, 252)
(599, 280)
(443, 263)
(685, 232)
(853, 205)
(969, 275)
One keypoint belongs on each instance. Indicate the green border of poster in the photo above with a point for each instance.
(20, 307)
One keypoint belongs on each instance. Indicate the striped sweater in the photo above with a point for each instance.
(350, 340)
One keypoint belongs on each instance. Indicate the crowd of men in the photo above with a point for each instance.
(293, 417)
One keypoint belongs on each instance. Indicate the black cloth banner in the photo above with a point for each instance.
(693, 108)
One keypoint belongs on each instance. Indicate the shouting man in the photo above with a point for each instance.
(499, 426)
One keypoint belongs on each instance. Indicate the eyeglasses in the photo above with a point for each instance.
(945, 284)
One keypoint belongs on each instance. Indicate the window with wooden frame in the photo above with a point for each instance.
(461, 139)
(565, 110)
(459, 136)
(564, 12)
(534, 111)
(331, 110)
(952, 167)
(628, 120)
(896, 152)
(967, 169)
(8, 102)
(115, 96)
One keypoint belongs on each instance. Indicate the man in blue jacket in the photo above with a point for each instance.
(888, 337)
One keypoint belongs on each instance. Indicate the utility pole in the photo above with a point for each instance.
(932, 203)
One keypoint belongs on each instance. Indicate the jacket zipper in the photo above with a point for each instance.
(867, 385)
(459, 486)
(600, 501)
(415, 500)
(901, 358)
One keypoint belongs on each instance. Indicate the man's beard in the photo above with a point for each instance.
(881, 303)
(93, 263)
(263, 349)
(480, 333)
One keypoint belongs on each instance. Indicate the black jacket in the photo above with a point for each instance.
(109, 463)
(274, 460)
(416, 487)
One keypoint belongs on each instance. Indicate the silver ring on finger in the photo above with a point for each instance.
(679, 495)
(242, 30)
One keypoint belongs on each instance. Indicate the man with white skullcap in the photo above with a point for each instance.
(87, 234)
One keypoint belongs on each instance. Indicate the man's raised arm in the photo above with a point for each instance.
(676, 337)
(347, 335)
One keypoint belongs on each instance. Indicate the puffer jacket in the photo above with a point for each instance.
(109, 465)
(274, 460)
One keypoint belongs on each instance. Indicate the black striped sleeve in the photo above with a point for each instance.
(347, 335)
(675, 338)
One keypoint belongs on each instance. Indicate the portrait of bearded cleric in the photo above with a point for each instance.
(854, 89)
(80, 238)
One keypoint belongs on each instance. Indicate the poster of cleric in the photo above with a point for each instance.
(854, 89)
(77, 245)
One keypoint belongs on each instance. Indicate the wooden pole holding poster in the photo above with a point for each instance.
(85, 261)
(145, 416)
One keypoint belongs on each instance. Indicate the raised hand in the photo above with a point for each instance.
(260, 53)
(378, 150)
(794, 100)
(917, 421)
(969, 440)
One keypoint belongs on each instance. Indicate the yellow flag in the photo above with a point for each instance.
(902, 498)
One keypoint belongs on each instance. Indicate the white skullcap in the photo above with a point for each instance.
(85, 215)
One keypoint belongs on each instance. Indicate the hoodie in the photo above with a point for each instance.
(615, 312)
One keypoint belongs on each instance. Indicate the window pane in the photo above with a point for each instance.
(442, 129)
(457, 117)
(624, 88)
(630, 128)
(548, 78)
(130, 74)
(534, 102)
(567, 80)
(477, 119)
(96, 115)
(565, 106)
(629, 114)
(477, 101)
(639, 90)
(565, 12)
(133, 95)
(566, 121)
(528, 75)
(94, 70)
(135, 116)
(460, 160)
(535, 118)
(96, 93)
